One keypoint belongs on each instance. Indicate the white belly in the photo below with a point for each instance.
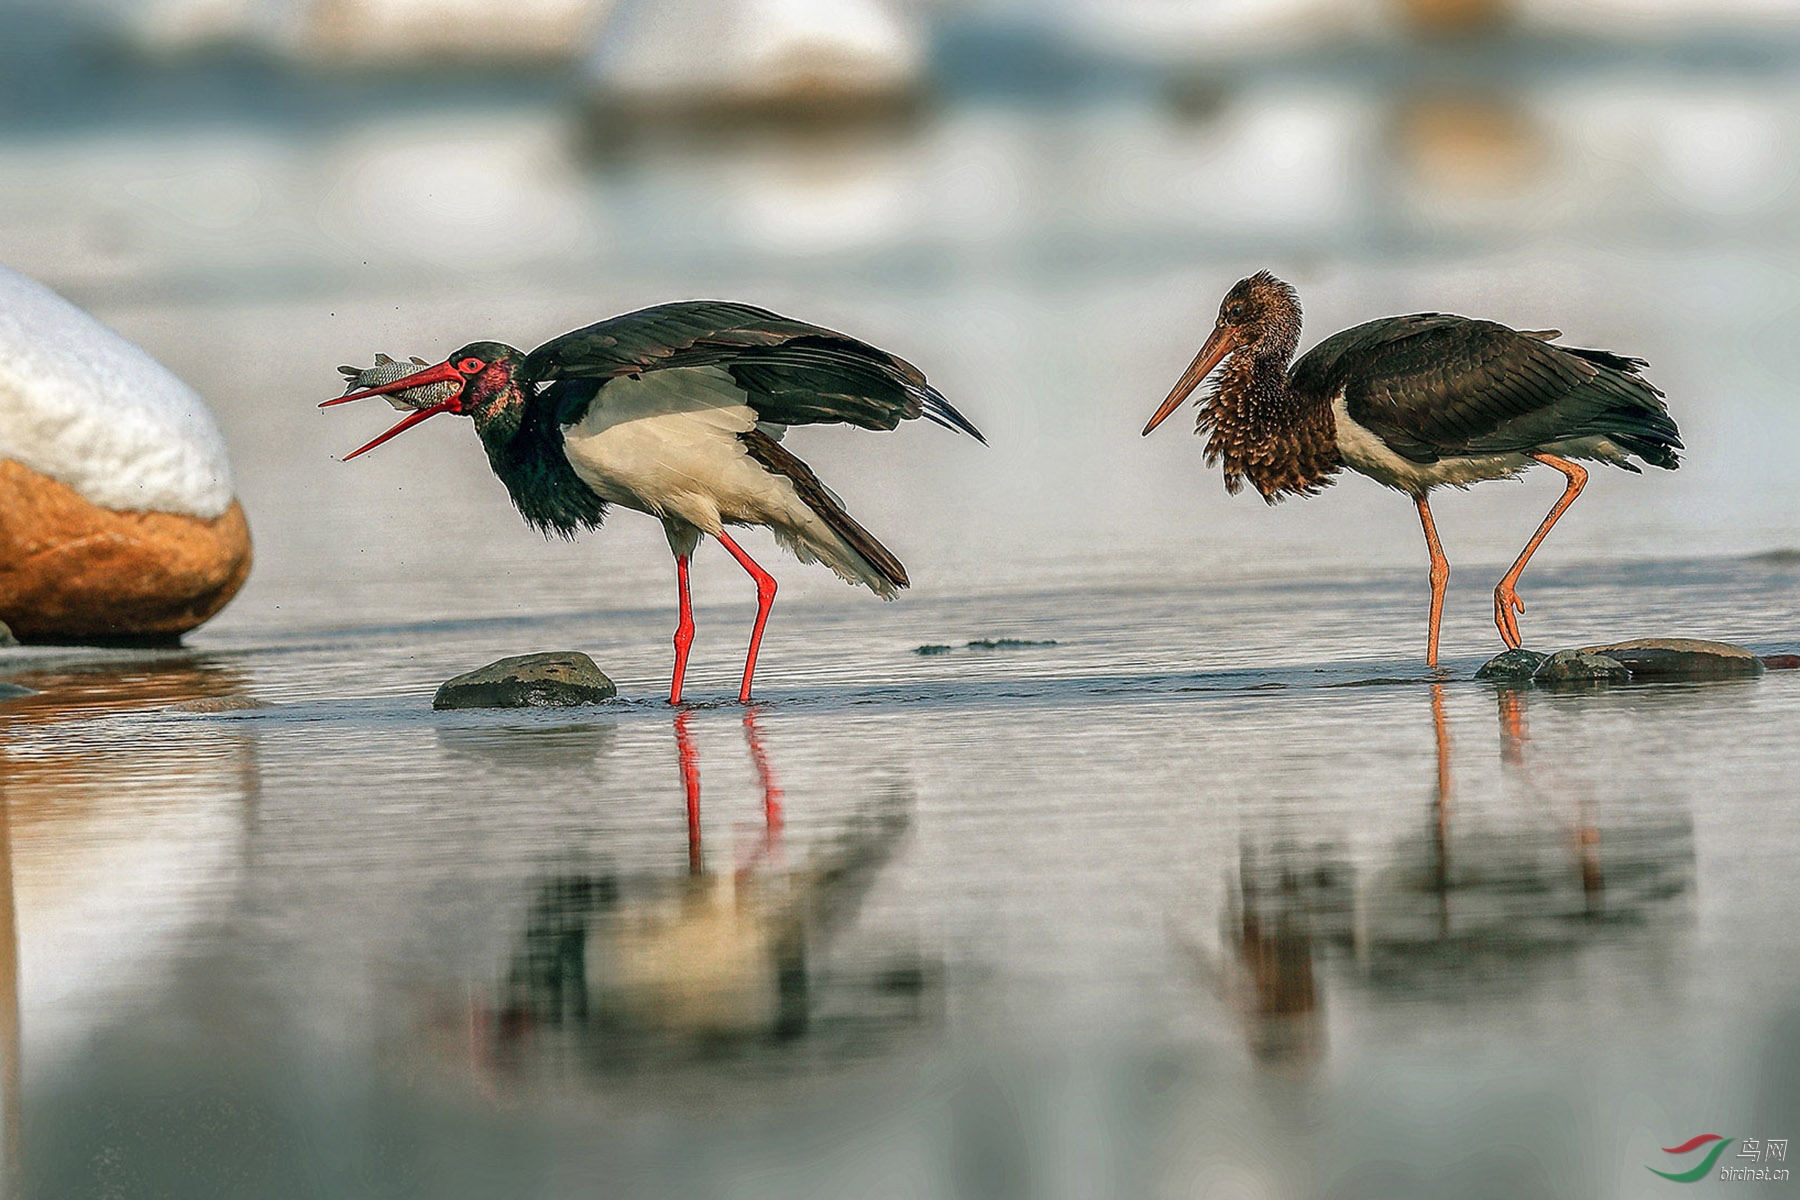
(1366, 453)
(667, 444)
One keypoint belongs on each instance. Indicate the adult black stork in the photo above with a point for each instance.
(1414, 403)
(678, 411)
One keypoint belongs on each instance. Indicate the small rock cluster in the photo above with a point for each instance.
(1643, 660)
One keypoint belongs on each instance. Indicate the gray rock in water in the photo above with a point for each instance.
(1518, 665)
(1681, 658)
(1581, 666)
(6, 637)
(12, 691)
(559, 679)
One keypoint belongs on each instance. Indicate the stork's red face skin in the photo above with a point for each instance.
(443, 372)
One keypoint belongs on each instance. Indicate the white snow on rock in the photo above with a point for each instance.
(84, 406)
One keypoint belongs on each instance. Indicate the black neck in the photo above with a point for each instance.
(524, 444)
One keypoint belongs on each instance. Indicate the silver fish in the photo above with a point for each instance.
(385, 371)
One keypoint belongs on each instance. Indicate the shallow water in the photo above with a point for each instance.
(1211, 889)
(1154, 909)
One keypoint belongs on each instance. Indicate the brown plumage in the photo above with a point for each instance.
(1414, 402)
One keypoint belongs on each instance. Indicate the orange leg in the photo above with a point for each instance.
(1506, 601)
(1440, 579)
(765, 600)
(684, 629)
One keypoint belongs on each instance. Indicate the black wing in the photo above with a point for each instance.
(1433, 385)
(795, 373)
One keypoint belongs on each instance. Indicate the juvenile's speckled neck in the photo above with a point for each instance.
(1262, 431)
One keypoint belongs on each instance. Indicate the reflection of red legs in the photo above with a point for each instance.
(1440, 579)
(1587, 846)
(770, 785)
(771, 789)
(684, 629)
(690, 779)
(1512, 726)
(765, 599)
(1441, 726)
(1506, 601)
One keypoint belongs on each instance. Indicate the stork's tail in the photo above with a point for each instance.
(856, 555)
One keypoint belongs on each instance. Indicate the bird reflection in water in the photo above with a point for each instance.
(634, 969)
(1472, 906)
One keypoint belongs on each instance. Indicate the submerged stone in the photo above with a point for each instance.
(1682, 658)
(12, 691)
(558, 679)
(220, 704)
(1782, 662)
(1581, 666)
(1517, 665)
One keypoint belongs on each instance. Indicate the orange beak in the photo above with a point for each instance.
(1223, 341)
(442, 373)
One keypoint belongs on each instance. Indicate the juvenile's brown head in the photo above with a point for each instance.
(1260, 317)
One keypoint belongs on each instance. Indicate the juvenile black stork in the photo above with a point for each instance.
(1414, 403)
(678, 411)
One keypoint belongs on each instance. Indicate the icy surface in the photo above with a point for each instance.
(84, 406)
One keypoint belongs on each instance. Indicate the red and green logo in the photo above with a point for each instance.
(1706, 1164)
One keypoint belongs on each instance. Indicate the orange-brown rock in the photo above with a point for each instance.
(71, 571)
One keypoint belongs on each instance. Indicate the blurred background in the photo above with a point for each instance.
(1146, 906)
(1040, 203)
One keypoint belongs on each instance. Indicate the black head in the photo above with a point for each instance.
(1260, 316)
(486, 379)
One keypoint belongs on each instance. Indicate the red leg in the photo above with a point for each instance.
(765, 600)
(684, 629)
(690, 780)
(1440, 579)
(1506, 601)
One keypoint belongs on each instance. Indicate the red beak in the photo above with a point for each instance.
(442, 373)
(1222, 342)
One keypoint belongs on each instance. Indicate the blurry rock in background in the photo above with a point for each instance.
(117, 519)
(1453, 18)
(364, 32)
(1469, 142)
(812, 59)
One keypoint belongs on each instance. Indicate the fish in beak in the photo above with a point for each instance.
(426, 390)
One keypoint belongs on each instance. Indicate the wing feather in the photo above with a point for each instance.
(1433, 385)
(794, 373)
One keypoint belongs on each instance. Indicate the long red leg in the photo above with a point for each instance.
(684, 629)
(1440, 579)
(1506, 601)
(689, 758)
(765, 600)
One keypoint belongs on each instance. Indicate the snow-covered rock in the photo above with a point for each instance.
(116, 509)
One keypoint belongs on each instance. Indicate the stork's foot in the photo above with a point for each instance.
(1506, 603)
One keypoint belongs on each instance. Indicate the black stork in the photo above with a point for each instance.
(1415, 402)
(678, 411)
